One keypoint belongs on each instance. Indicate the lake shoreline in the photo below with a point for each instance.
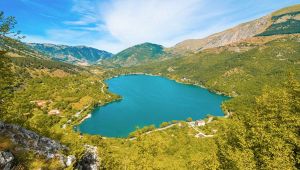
(89, 115)
(170, 78)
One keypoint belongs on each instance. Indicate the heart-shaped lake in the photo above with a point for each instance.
(148, 100)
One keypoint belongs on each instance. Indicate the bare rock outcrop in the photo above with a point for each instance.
(89, 160)
(31, 141)
(6, 160)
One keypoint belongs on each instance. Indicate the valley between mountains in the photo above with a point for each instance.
(48, 90)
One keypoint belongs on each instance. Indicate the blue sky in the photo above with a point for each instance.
(114, 25)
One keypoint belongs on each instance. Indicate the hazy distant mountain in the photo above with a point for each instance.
(135, 55)
(284, 21)
(79, 55)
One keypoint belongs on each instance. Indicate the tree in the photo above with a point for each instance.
(268, 135)
(164, 124)
(189, 119)
(7, 26)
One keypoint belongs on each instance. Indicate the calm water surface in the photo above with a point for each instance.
(150, 100)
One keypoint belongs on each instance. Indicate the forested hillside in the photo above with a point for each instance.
(135, 55)
(285, 21)
(234, 69)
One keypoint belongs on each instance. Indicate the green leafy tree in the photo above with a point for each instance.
(7, 26)
(268, 137)
(189, 119)
(164, 124)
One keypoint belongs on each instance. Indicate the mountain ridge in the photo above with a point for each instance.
(283, 21)
(259, 27)
(78, 55)
(136, 54)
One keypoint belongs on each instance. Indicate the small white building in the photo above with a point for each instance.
(199, 123)
(54, 112)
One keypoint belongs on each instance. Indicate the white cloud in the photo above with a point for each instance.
(128, 22)
(117, 24)
(132, 22)
(86, 10)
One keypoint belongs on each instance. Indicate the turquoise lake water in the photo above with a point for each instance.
(148, 100)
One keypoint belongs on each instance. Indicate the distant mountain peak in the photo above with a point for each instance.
(72, 54)
(135, 55)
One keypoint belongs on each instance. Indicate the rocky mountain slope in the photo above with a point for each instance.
(79, 55)
(285, 21)
(135, 55)
(29, 141)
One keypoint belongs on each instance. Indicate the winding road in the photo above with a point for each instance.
(103, 85)
(200, 134)
(155, 130)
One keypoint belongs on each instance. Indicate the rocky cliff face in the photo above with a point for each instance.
(28, 140)
(284, 21)
(89, 160)
(238, 33)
